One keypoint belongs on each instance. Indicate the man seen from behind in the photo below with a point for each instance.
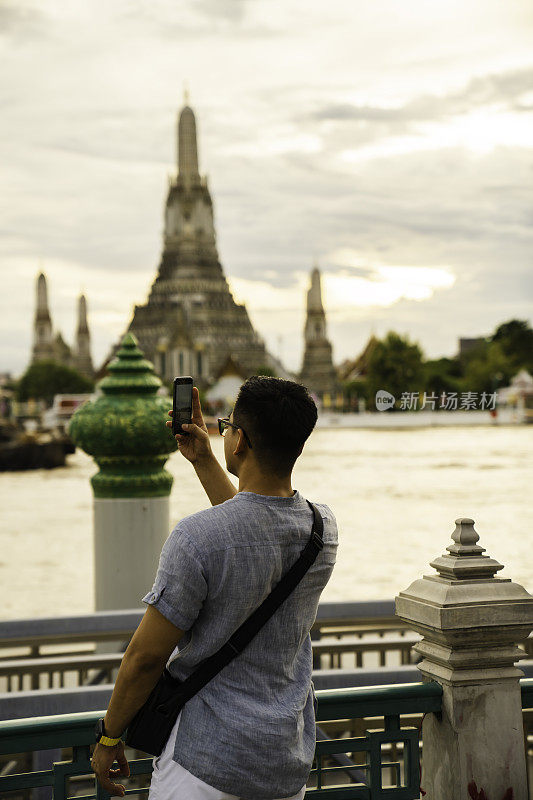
(250, 733)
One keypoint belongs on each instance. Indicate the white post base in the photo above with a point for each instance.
(128, 536)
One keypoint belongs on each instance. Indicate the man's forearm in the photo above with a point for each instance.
(135, 681)
(213, 478)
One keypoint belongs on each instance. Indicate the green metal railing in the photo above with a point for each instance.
(389, 702)
(76, 731)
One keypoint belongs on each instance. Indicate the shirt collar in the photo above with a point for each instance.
(268, 499)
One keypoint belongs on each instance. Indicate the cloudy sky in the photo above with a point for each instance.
(390, 140)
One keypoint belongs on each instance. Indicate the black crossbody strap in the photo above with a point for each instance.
(245, 632)
(282, 590)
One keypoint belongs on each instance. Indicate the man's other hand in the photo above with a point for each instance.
(195, 444)
(102, 761)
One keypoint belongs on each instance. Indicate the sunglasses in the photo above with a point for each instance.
(224, 424)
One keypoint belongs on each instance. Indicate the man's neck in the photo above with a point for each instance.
(269, 485)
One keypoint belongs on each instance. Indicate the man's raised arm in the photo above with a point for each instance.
(196, 448)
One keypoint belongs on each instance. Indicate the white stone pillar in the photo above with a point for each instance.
(471, 623)
(124, 430)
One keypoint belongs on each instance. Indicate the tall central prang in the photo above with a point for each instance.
(191, 324)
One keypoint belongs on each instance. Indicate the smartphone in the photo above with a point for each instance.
(181, 404)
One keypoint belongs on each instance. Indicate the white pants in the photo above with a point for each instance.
(170, 781)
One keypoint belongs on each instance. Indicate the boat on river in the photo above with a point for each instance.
(20, 450)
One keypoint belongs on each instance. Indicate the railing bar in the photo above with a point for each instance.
(26, 780)
(392, 722)
(134, 790)
(329, 746)
(346, 768)
(81, 752)
(339, 793)
(526, 687)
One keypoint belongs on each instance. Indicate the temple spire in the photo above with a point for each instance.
(42, 311)
(42, 328)
(314, 294)
(82, 358)
(82, 315)
(187, 145)
(190, 321)
(318, 372)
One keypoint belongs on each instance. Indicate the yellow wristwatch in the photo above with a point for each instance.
(101, 736)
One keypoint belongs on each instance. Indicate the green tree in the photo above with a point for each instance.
(442, 375)
(354, 391)
(396, 366)
(516, 340)
(486, 368)
(44, 379)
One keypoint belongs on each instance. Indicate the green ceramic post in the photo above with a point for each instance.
(124, 429)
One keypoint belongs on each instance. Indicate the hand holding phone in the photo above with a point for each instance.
(194, 444)
(181, 404)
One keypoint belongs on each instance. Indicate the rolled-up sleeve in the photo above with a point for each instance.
(180, 585)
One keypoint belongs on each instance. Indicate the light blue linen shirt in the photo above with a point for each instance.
(251, 730)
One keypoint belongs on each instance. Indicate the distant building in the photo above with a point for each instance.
(223, 393)
(352, 369)
(318, 372)
(466, 344)
(518, 395)
(47, 347)
(191, 324)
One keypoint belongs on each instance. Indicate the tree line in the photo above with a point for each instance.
(397, 365)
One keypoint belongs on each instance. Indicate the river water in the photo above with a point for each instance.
(395, 493)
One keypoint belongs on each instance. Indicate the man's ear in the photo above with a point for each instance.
(241, 443)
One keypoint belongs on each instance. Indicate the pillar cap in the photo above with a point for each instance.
(130, 372)
(124, 429)
(464, 559)
(470, 620)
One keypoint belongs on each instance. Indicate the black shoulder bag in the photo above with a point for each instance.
(151, 726)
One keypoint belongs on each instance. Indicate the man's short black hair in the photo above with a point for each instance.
(278, 416)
